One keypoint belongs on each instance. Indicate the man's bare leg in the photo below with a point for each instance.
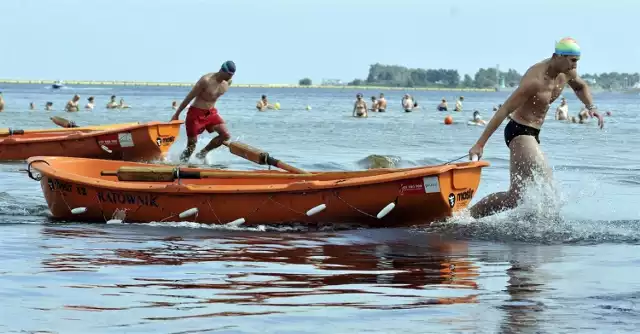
(191, 146)
(222, 136)
(526, 161)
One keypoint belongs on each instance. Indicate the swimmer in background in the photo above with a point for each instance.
(263, 104)
(459, 104)
(382, 103)
(72, 105)
(374, 104)
(32, 106)
(562, 112)
(477, 119)
(112, 103)
(1, 102)
(174, 105)
(360, 107)
(122, 105)
(443, 105)
(90, 105)
(48, 106)
(407, 103)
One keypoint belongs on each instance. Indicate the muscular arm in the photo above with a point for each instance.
(527, 88)
(192, 94)
(583, 93)
(581, 88)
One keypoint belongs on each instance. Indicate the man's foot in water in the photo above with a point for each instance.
(201, 155)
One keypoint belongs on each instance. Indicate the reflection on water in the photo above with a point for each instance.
(178, 275)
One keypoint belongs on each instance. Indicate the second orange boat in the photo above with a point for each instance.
(129, 142)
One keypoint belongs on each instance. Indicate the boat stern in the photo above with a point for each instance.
(458, 185)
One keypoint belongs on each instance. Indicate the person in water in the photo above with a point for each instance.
(72, 105)
(90, 105)
(407, 103)
(48, 106)
(1, 102)
(458, 106)
(360, 107)
(202, 113)
(382, 103)
(112, 103)
(374, 104)
(477, 119)
(562, 112)
(263, 104)
(443, 105)
(528, 104)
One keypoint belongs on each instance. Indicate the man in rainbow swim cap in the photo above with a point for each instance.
(202, 113)
(527, 107)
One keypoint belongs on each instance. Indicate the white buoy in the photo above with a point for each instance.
(77, 211)
(316, 209)
(188, 213)
(114, 221)
(386, 210)
(106, 149)
(235, 223)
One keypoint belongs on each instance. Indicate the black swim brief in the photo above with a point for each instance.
(514, 129)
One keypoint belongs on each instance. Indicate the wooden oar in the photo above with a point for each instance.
(63, 122)
(170, 174)
(260, 157)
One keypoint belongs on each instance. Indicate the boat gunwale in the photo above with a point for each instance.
(41, 163)
(78, 134)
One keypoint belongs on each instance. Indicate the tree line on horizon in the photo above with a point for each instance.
(400, 76)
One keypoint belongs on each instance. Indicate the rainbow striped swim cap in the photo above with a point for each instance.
(567, 47)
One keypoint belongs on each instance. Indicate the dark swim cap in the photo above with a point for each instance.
(228, 67)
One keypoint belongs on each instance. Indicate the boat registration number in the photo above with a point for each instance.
(116, 140)
(425, 185)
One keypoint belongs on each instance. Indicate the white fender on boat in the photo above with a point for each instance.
(235, 223)
(316, 209)
(106, 149)
(79, 210)
(114, 221)
(188, 213)
(386, 210)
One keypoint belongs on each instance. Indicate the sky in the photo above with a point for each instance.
(282, 41)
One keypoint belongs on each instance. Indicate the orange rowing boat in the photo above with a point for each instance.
(145, 141)
(102, 190)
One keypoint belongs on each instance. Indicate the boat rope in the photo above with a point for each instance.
(456, 159)
(37, 178)
(287, 207)
(214, 213)
(353, 207)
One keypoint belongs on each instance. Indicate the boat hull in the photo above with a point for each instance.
(146, 141)
(420, 195)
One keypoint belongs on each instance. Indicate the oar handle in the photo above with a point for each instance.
(283, 165)
(11, 132)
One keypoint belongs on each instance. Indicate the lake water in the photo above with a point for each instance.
(562, 263)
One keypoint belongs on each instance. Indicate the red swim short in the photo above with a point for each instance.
(200, 119)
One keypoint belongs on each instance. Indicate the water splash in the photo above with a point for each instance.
(538, 218)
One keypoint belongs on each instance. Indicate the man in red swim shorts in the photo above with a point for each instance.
(202, 113)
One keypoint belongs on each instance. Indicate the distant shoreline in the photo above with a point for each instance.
(180, 84)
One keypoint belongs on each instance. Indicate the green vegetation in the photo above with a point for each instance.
(305, 82)
(400, 76)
